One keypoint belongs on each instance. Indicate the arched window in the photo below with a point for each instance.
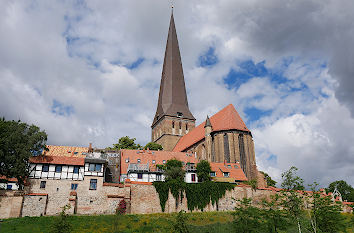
(226, 148)
(180, 125)
(186, 126)
(173, 124)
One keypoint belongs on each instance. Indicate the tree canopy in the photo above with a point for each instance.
(173, 170)
(346, 190)
(18, 142)
(269, 180)
(153, 146)
(126, 143)
(203, 171)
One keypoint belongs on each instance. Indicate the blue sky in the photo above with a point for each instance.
(93, 68)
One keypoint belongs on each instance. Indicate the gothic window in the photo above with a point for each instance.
(180, 125)
(173, 124)
(226, 148)
(186, 126)
(242, 153)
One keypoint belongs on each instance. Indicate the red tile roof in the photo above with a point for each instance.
(226, 119)
(8, 179)
(67, 151)
(234, 173)
(146, 156)
(58, 160)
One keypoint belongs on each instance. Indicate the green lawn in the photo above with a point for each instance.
(197, 222)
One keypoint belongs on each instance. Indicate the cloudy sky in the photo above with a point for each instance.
(89, 71)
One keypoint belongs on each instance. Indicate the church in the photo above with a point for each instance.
(222, 138)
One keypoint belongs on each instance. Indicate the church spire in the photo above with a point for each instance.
(172, 97)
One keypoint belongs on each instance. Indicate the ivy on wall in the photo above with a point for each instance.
(198, 195)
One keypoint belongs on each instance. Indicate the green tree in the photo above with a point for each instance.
(346, 190)
(18, 142)
(325, 214)
(126, 143)
(173, 170)
(247, 218)
(269, 180)
(61, 224)
(292, 199)
(180, 223)
(153, 146)
(203, 171)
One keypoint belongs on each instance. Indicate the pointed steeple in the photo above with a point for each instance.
(207, 122)
(172, 97)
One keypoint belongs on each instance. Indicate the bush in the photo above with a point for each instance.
(62, 225)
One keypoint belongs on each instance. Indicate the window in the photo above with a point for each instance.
(226, 148)
(186, 126)
(179, 114)
(226, 174)
(9, 187)
(163, 161)
(173, 124)
(127, 160)
(139, 160)
(228, 166)
(95, 167)
(212, 174)
(58, 168)
(93, 184)
(45, 168)
(42, 185)
(76, 170)
(140, 176)
(74, 186)
(193, 177)
(153, 161)
(236, 166)
(180, 125)
(158, 177)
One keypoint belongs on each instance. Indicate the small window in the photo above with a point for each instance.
(140, 176)
(58, 168)
(93, 184)
(127, 160)
(212, 174)
(163, 161)
(173, 124)
(42, 185)
(193, 177)
(179, 114)
(236, 166)
(74, 186)
(9, 187)
(153, 161)
(226, 174)
(75, 153)
(186, 126)
(45, 168)
(228, 166)
(138, 160)
(93, 167)
(76, 170)
(158, 177)
(180, 125)
(98, 167)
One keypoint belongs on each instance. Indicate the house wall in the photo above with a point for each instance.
(10, 204)
(66, 173)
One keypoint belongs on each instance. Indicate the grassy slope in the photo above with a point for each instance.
(198, 222)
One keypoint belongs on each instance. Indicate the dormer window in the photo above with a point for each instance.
(138, 160)
(179, 114)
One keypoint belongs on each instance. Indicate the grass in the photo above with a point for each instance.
(198, 222)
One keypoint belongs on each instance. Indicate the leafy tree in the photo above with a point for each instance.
(247, 218)
(253, 183)
(346, 190)
(18, 142)
(173, 170)
(203, 171)
(292, 200)
(153, 146)
(274, 217)
(62, 225)
(180, 224)
(269, 180)
(325, 214)
(126, 143)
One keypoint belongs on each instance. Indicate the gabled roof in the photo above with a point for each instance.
(61, 160)
(172, 96)
(226, 119)
(234, 169)
(67, 151)
(147, 156)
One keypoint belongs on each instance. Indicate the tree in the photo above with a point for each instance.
(292, 200)
(346, 190)
(61, 224)
(180, 223)
(247, 218)
(153, 146)
(325, 214)
(173, 170)
(126, 143)
(203, 171)
(18, 142)
(269, 180)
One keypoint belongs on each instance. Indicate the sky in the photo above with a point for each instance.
(89, 71)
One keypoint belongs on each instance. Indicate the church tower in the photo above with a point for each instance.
(173, 118)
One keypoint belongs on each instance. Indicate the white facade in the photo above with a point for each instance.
(48, 171)
(94, 169)
(144, 177)
(191, 177)
(9, 186)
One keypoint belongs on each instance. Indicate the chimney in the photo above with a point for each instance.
(90, 148)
